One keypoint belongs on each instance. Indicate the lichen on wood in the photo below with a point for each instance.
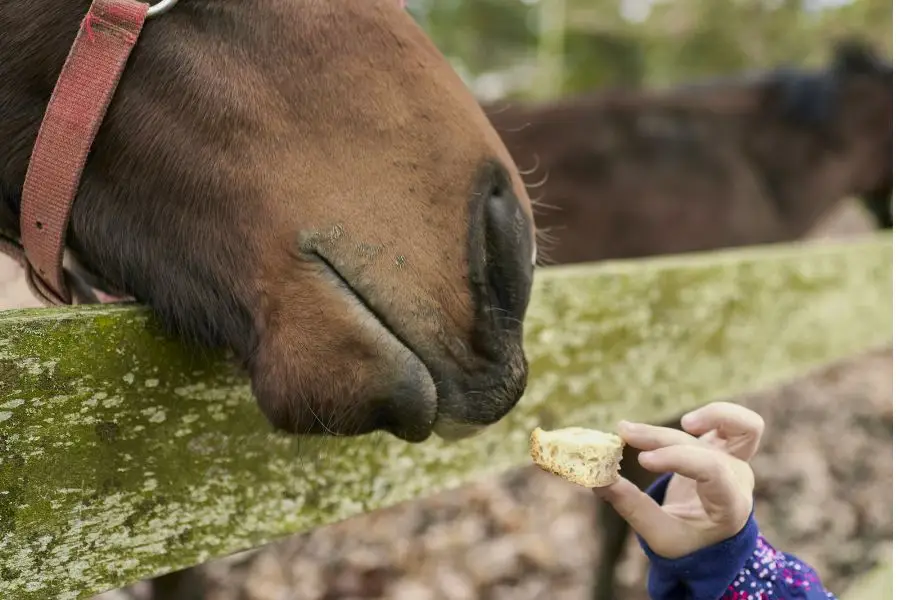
(125, 454)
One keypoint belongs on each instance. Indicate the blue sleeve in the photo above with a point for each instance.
(743, 567)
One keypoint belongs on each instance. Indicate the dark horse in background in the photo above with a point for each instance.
(308, 184)
(716, 164)
(725, 163)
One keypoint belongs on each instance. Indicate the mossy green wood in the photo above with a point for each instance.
(124, 454)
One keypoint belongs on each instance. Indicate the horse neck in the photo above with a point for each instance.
(806, 171)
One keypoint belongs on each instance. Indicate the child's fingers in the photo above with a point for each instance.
(651, 437)
(717, 486)
(640, 511)
(740, 427)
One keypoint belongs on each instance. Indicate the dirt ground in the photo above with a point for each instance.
(824, 493)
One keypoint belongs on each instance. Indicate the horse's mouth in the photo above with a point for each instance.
(435, 397)
(410, 431)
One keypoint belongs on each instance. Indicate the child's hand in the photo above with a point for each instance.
(710, 497)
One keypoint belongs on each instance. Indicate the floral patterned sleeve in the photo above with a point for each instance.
(743, 567)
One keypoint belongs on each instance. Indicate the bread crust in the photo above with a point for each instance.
(562, 468)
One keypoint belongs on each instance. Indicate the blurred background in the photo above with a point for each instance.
(542, 49)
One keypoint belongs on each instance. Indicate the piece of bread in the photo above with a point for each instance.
(584, 456)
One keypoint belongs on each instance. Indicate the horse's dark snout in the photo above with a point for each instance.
(509, 255)
(501, 264)
(490, 379)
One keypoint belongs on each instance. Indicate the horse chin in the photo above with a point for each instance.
(408, 397)
(394, 394)
(454, 431)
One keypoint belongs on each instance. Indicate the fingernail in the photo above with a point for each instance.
(627, 425)
(647, 455)
(689, 419)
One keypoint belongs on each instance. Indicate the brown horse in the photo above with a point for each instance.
(308, 184)
(711, 165)
(752, 160)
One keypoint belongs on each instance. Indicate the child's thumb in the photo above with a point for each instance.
(639, 510)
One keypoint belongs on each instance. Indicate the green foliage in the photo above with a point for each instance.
(598, 59)
(676, 40)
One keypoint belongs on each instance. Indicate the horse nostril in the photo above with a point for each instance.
(508, 251)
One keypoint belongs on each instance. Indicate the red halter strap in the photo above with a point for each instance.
(77, 107)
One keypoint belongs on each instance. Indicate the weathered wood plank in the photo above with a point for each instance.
(124, 454)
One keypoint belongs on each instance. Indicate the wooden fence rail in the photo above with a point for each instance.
(123, 454)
